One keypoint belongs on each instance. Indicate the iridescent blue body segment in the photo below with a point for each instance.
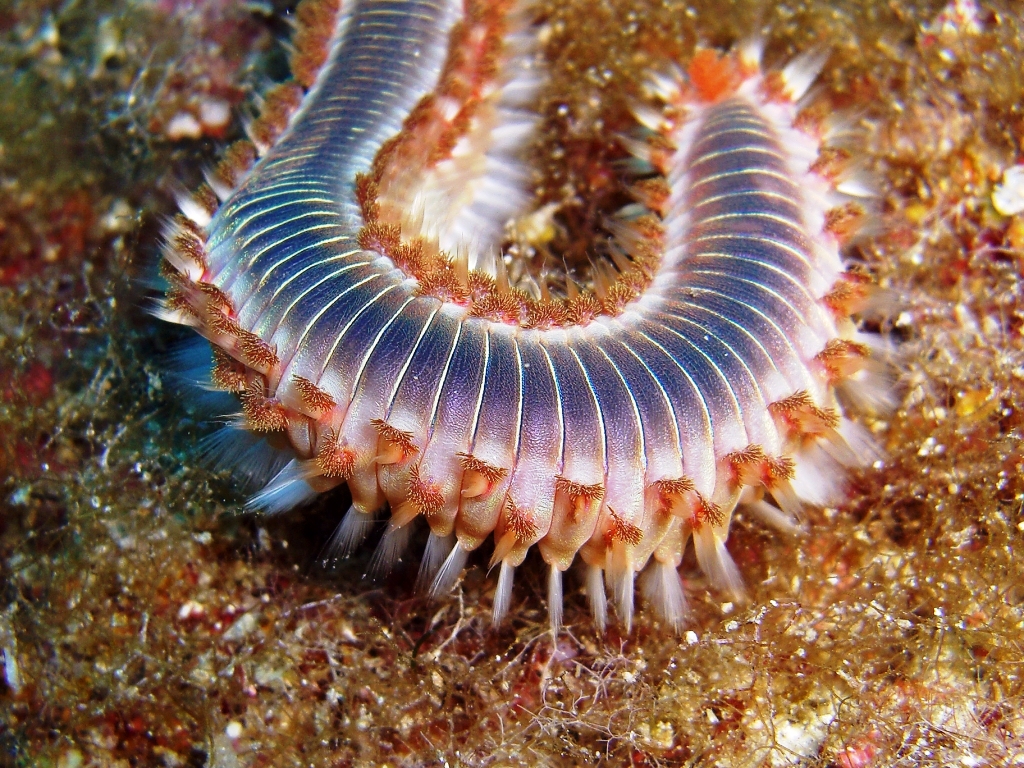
(298, 212)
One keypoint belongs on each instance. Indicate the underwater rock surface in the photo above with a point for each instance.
(144, 621)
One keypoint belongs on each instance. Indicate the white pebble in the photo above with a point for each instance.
(1008, 197)
(214, 114)
(183, 126)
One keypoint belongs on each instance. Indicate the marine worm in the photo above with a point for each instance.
(346, 265)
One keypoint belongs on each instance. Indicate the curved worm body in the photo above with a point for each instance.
(343, 265)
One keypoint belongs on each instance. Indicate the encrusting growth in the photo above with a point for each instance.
(353, 283)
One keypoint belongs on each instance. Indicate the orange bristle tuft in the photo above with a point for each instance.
(398, 445)
(227, 373)
(333, 461)
(519, 521)
(237, 162)
(798, 414)
(582, 496)
(844, 221)
(849, 295)
(547, 314)
(623, 530)
(279, 105)
(314, 398)
(499, 308)
(256, 352)
(263, 414)
(423, 495)
(216, 299)
(584, 308)
(706, 512)
(311, 43)
(841, 358)
(382, 238)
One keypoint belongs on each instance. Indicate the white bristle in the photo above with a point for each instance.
(555, 598)
(221, 190)
(389, 551)
(288, 489)
(621, 582)
(245, 454)
(189, 364)
(261, 148)
(450, 571)
(841, 129)
(802, 71)
(503, 592)
(869, 391)
(857, 184)
(864, 447)
(638, 148)
(817, 478)
(183, 264)
(649, 117)
(161, 311)
(355, 526)
(663, 589)
(716, 562)
(434, 555)
(596, 597)
(664, 85)
(773, 516)
(193, 210)
(752, 51)
(788, 501)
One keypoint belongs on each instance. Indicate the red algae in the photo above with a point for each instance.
(143, 621)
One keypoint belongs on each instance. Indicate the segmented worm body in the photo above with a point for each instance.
(346, 265)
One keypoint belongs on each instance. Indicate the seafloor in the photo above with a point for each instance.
(145, 621)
